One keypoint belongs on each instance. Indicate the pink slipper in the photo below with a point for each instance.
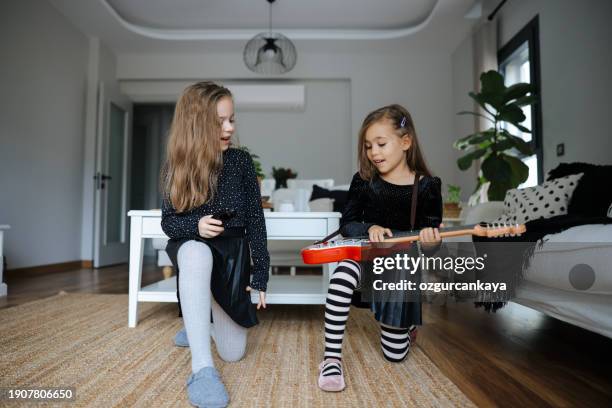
(331, 377)
(413, 335)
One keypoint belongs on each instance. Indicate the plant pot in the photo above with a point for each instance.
(451, 210)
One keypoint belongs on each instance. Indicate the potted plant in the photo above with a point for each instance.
(258, 171)
(281, 175)
(496, 146)
(451, 205)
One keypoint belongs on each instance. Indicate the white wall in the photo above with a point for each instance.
(43, 81)
(463, 125)
(576, 61)
(315, 143)
(419, 79)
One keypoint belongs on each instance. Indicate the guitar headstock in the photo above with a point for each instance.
(496, 229)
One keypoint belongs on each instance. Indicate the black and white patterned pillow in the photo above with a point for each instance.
(544, 201)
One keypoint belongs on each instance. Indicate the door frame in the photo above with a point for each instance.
(105, 253)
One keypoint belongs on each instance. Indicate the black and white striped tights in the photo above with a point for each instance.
(395, 341)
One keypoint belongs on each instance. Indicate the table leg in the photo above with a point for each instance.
(136, 253)
(328, 269)
(3, 287)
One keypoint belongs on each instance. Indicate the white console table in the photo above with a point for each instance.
(3, 288)
(281, 289)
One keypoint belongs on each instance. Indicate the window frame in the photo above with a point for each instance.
(530, 34)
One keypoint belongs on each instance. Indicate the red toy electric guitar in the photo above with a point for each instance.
(354, 248)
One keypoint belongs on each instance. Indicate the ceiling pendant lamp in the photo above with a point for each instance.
(270, 53)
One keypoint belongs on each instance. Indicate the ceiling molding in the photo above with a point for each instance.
(242, 34)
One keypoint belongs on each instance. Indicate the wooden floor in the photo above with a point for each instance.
(514, 358)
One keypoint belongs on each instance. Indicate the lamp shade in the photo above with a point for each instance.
(270, 53)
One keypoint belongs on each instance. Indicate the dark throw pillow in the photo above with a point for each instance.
(591, 197)
(339, 196)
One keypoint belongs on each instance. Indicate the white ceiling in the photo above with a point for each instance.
(287, 14)
(183, 26)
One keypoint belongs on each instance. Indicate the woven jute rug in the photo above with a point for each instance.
(82, 341)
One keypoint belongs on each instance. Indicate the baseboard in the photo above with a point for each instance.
(58, 267)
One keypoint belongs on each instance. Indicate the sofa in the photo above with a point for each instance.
(569, 275)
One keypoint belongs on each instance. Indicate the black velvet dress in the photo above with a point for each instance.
(379, 202)
(244, 238)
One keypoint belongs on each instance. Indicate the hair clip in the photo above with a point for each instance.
(403, 122)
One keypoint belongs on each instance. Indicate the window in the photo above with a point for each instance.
(519, 61)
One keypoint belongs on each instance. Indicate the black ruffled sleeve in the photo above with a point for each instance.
(255, 226)
(351, 223)
(177, 226)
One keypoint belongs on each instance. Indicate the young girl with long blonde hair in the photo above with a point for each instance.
(212, 213)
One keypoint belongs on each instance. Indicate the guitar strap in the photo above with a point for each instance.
(413, 201)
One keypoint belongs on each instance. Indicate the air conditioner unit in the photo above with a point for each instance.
(247, 96)
(268, 96)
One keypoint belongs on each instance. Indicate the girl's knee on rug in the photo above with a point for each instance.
(232, 353)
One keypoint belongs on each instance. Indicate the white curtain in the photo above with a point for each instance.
(484, 43)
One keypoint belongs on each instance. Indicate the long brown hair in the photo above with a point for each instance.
(193, 155)
(401, 120)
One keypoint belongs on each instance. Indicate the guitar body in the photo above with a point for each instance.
(351, 249)
(315, 256)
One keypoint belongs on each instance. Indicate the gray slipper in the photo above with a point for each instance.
(180, 339)
(205, 389)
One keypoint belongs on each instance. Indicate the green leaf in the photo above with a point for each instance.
(494, 168)
(520, 171)
(492, 82)
(465, 162)
(517, 91)
(481, 137)
(504, 145)
(521, 128)
(526, 100)
(476, 114)
(497, 190)
(482, 101)
(493, 89)
(463, 143)
(511, 113)
(518, 143)
(474, 138)
(485, 145)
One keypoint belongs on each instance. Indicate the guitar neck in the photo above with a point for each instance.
(411, 236)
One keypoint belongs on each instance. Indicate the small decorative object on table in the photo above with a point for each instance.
(281, 175)
(451, 205)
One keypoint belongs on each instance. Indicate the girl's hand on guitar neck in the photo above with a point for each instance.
(430, 237)
(377, 233)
